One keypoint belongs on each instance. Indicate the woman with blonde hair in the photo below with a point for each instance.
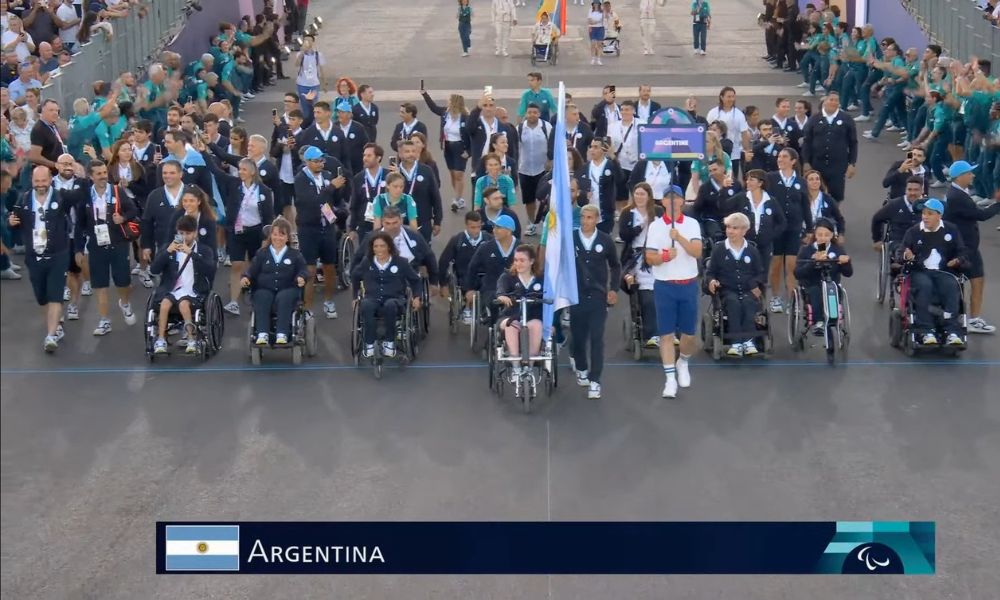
(454, 138)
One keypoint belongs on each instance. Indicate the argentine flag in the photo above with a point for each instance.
(560, 258)
(203, 548)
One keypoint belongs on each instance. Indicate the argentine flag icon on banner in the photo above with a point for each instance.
(203, 548)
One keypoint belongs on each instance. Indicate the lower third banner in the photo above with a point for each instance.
(832, 547)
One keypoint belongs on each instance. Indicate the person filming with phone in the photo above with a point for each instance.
(898, 176)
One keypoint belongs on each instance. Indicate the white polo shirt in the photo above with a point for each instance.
(684, 266)
(736, 124)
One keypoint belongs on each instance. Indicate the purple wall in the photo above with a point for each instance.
(890, 19)
(193, 40)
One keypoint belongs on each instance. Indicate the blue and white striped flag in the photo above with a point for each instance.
(203, 548)
(560, 259)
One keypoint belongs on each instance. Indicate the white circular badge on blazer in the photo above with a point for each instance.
(190, 170)
(420, 177)
(393, 269)
(746, 259)
(774, 152)
(798, 186)
(788, 127)
(536, 287)
(599, 248)
(333, 139)
(947, 237)
(730, 192)
(287, 261)
(352, 136)
(54, 205)
(767, 211)
(840, 122)
(831, 256)
(260, 197)
(607, 172)
(263, 172)
(202, 231)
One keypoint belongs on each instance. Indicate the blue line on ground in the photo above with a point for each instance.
(10, 372)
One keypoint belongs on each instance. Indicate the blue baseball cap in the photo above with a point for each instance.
(505, 221)
(935, 205)
(312, 153)
(959, 168)
(674, 190)
(344, 106)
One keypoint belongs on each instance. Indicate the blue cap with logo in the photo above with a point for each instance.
(312, 153)
(959, 168)
(935, 205)
(505, 221)
(343, 106)
(673, 190)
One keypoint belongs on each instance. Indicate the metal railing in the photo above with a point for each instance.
(957, 26)
(135, 44)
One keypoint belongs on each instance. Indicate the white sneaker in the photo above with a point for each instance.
(10, 274)
(593, 61)
(893, 128)
(749, 349)
(15, 267)
(465, 54)
(670, 388)
(281, 339)
(803, 85)
(160, 346)
(227, 262)
(531, 231)
(261, 339)
(369, 351)
(192, 346)
(505, 53)
(735, 350)
(461, 203)
(807, 94)
(86, 290)
(852, 107)
(594, 393)
(67, 294)
(50, 344)
(515, 373)
(954, 340)
(127, 313)
(389, 349)
(72, 312)
(146, 279)
(581, 379)
(777, 307)
(862, 118)
(979, 325)
(103, 327)
(929, 339)
(868, 135)
(232, 308)
(683, 373)
(60, 333)
(653, 342)
(904, 145)
(330, 309)
(136, 270)
(599, 63)
(454, 205)
(467, 316)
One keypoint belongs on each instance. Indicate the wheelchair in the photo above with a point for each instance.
(883, 274)
(456, 304)
(541, 369)
(902, 317)
(836, 318)
(612, 45)
(209, 324)
(715, 334)
(404, 331)
(423, 314)
(345, 255)
(633, 325)
(545, 53)
(302, 339)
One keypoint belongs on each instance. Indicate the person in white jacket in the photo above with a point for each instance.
(504, 18)
(647, 25)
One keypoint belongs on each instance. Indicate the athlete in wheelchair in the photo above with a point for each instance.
(889, 224)
(518, 336)
(545, 41)
(489, 262)
(930, 286)
(638, 280)
(453, 268)
(387, 291)
(735, 279)
(819, 303)
(184, 299)
(276, 276)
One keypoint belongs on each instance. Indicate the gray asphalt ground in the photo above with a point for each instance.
(97, 445)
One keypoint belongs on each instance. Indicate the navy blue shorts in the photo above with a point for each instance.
(318, 244)
(788, 243)
(48, 277)
(597, 34)
(676, 307)
(975, 264)
(243, 246)
(453, 156)
(110, 263)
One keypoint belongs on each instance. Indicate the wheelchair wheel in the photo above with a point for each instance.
(475, 330)
(524, 391)
(255, 356)
(214, 326)
(845, 322)
(296, 355)
(347, 249)
(377, 368)
(882, 281)
(895, 328)
(796, 322)
(251, 346)
(149, 329)
(309, 333)
(356, 334)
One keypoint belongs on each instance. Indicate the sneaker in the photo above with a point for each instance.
(803, 85)
(653, 342)
(735, 350)
(227, 262)
(853, 107)
(531, 231)
(66, 294)
(330, 309)
(619, 240)
(160, 347)
(461, 203)
(388, 349)
(86, 290)
(978, 325)
(127, 313)
(60, 333)
(103, 328)
(929, 339)
(594, 393)
(454, 205)
(232, 308)
(954, 340)
(51, 343)
(868, 135)
(777, 307)
(904, 145)
(320, 278)
(192, 346)
(369, 351)
(893, 128)
(581, 379)
(807, 94)
(222, 257)
(281, 339)
(818, 330)
(749, 349)
(467, 316)
(515, 373)
(10, 274)
(136, 270)
(862, 118)
(465, 54)
(15, 267)
(593, 61)
(72, 312)
(683, 373)
(262, 339)
(670, 388)
(146, 279)
(505, 53)
(248, 96)
(599, 63)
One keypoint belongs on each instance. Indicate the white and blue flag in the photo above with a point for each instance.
(203, 548)
(560, 258)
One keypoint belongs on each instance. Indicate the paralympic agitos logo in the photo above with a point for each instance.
(872, 558)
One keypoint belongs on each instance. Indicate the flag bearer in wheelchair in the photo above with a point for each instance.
(936, 249)
(544, 37)
(633, 228)
(187, 270)
(381, 279)
(824, 249)
(275, 275)
(736, 273)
